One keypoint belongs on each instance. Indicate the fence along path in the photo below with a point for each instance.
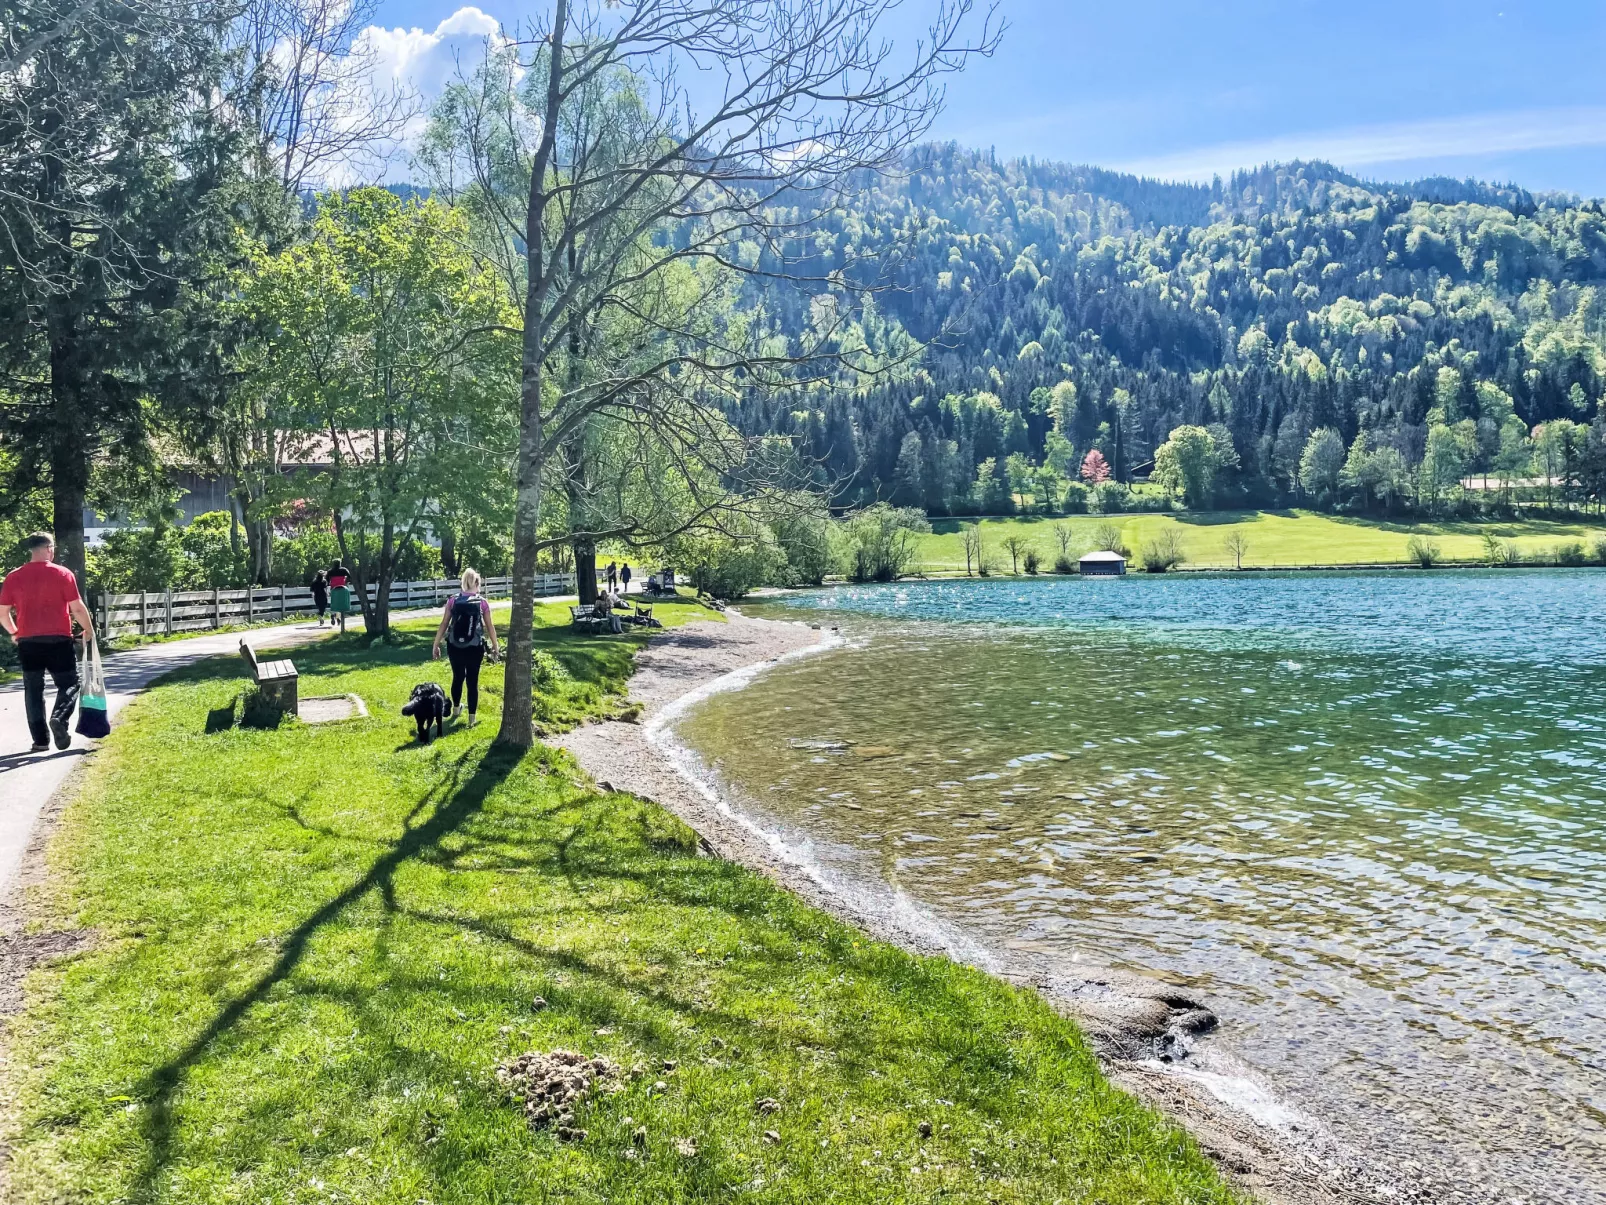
(163, 613)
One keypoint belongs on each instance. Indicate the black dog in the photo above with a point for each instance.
(428, 706)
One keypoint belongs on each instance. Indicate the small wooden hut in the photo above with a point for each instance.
(1103, 563)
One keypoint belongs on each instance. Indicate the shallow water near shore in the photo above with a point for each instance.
(1365, 814)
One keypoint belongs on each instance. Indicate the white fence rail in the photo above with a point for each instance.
(161, 613)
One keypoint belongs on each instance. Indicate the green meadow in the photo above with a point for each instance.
(1290, 539)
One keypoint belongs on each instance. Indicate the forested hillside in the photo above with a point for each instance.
(1393, 338)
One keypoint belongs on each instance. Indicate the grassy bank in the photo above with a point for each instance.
(1285, 539)
(312, 946)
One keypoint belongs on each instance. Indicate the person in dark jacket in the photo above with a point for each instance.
(320, 594)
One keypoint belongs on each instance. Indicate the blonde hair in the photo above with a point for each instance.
(472, 581)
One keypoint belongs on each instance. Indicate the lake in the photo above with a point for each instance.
(1364, 814)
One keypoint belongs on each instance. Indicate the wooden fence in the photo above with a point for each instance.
(152, 613)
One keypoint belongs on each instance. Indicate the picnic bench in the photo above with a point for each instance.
(277, 680)
(587, 619)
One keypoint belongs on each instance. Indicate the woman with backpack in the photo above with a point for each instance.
(467, 629)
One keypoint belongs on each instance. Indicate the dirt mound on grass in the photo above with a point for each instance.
(549, 1086)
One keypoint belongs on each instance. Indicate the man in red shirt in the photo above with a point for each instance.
(38, 603)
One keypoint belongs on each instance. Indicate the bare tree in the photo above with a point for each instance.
(645, 216)
(1017, 547)
(1236, 544)
(1064, 538)
(971, 535)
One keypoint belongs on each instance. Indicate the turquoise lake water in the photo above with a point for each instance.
(1364, 814)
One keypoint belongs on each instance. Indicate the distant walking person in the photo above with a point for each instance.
(624, 576)
(613, 576)
(38, 603)
(320, 593)
(339, 593)
(467, 629)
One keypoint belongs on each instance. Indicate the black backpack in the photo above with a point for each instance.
(467, 627)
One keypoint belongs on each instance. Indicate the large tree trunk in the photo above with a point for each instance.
(69, 453)
(518, 727)
(448, 539)
(69, 474)
(585, 570)
(379, 625)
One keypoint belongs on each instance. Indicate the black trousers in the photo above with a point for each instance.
(58, 657)
(466, 668)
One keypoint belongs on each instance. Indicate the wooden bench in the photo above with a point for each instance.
(587, 620)
(277, 680)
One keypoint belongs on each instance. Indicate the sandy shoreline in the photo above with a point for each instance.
(1149, 1034)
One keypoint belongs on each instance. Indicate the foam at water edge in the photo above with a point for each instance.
(886, 901)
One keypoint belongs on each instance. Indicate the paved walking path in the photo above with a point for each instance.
(27, 780)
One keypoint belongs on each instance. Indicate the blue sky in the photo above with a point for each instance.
(1498, 89)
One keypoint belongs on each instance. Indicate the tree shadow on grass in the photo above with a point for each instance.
(1225, 518)
(1502, 528)
(453, 805)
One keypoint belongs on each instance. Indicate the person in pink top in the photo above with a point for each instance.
(38, 603)
(467, 629)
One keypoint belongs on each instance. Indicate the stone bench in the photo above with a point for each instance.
(277, 680)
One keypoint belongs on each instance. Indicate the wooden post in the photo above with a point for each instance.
(143, 629)
(167, 609)
(217, 609)
(250, 605)
(281, 602)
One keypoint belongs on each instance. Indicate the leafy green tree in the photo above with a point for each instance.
(116, 182)
(390, 349)
(1376, 476)
(1022, 477)
(605, 190)
(882, 542)
(1186, 466)
(1107, 498)
(1446, 459)
(1554, 449)
(211, 558)
(1320, 464)
(908, 480)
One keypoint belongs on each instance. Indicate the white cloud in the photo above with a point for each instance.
(427, 62)
(1365, 146)
(416, 63)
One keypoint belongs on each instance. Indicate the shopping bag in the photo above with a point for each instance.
(92, 719)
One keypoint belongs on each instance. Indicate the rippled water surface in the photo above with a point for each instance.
(1362, 813)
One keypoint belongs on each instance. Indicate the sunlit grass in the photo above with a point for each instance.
(1281, 539)
(312, 945)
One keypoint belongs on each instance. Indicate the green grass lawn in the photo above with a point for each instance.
(1285, 539)
(312, 946)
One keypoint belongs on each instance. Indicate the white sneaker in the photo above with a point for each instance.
(472, 720)
(457, 712)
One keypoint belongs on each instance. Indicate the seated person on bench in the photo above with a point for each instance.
(603, 610)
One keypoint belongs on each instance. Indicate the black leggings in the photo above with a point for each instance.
(466, 667)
